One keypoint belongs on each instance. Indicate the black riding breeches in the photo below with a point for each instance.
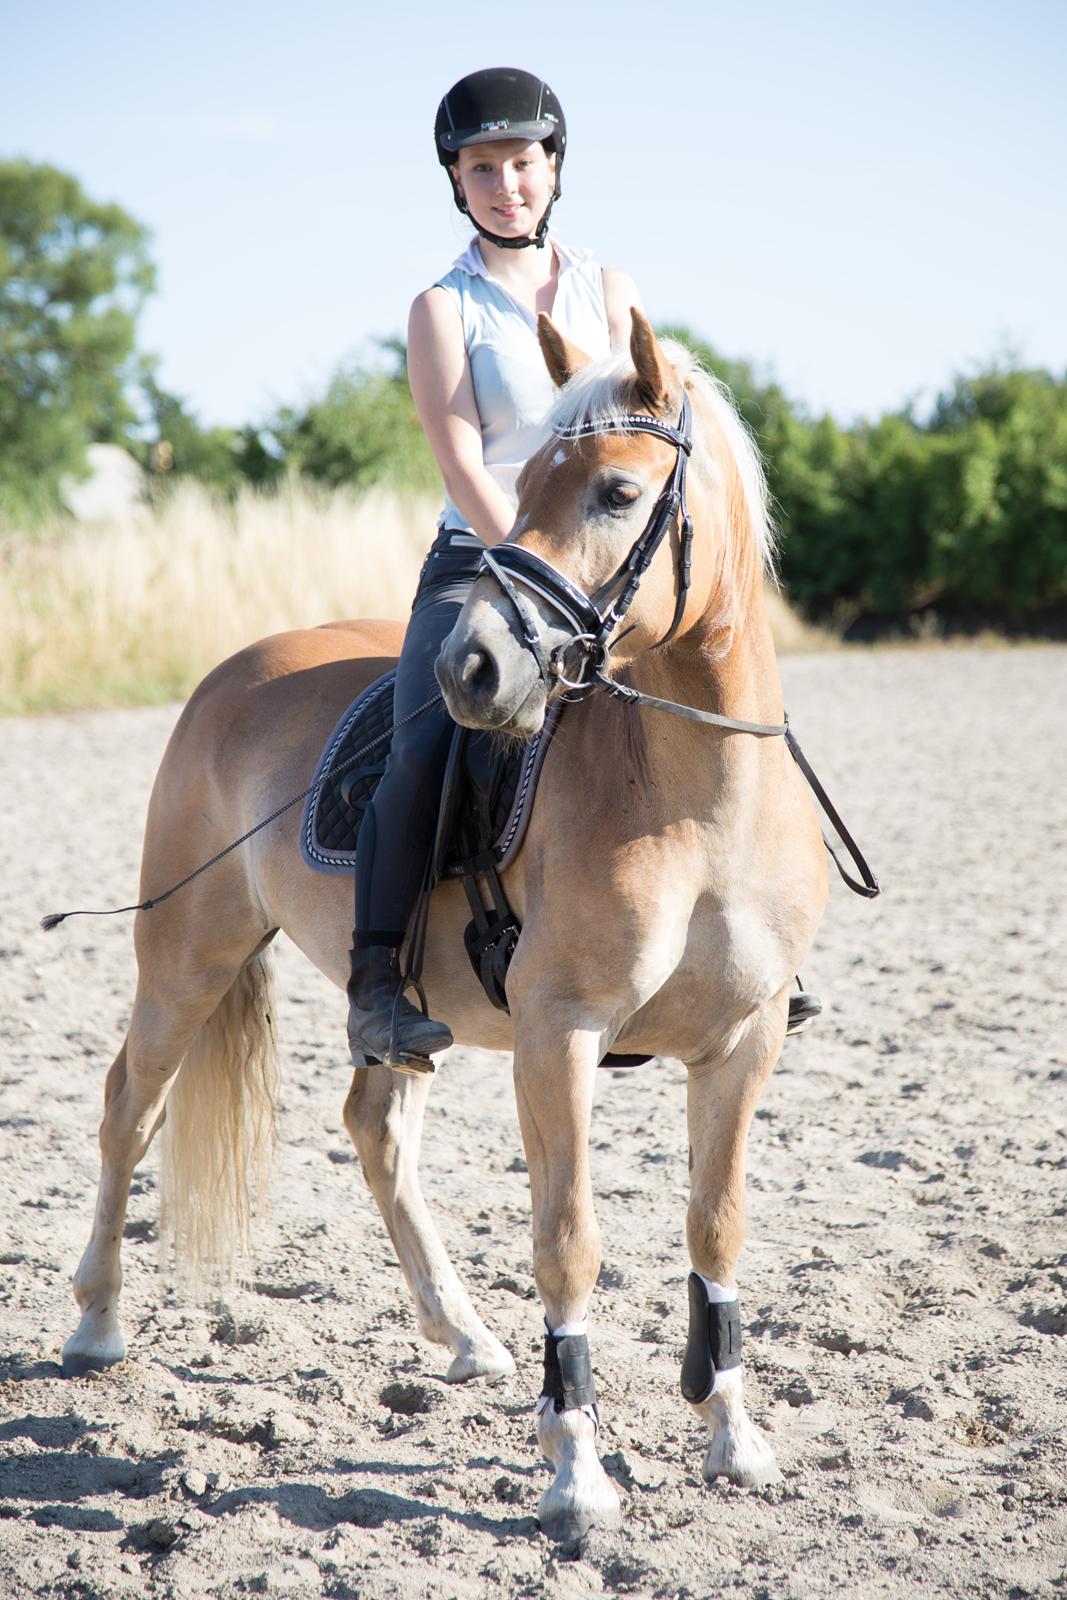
(398, 828)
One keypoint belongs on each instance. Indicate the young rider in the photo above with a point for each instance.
(482, 393)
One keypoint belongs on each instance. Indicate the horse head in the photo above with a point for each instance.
(590, 504)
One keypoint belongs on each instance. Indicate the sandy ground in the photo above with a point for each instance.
(904, 1283)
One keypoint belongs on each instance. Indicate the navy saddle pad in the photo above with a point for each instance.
(501, 777)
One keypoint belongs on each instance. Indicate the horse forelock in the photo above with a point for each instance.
(601, 392)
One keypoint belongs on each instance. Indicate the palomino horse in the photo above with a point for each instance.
(669, 886)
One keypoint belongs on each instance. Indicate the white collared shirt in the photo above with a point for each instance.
(513, 390)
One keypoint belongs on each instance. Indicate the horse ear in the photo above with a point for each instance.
(561, 357)
(656, 382)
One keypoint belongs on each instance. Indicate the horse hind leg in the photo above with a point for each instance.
(187, 1015)
(721, 1101)
(383, 1114)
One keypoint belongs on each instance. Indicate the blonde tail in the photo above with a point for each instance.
(219, 1136)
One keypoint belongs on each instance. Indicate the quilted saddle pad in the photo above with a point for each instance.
(348, 773)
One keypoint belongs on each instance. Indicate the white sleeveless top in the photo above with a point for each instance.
(512, 388)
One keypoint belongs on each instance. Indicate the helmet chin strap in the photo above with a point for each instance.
(537, 238)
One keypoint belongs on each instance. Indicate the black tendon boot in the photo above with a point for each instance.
(372, 991)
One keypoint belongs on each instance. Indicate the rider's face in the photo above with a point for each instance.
(507, 185)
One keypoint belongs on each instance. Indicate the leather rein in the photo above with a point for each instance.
(579, 664)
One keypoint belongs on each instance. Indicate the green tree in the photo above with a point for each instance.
(966, 511)
(178, 446)
(998, 510)
(762, 402)
(73, 275)
(363, 430)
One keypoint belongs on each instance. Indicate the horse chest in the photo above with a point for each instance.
(703, 975)
(732, 948)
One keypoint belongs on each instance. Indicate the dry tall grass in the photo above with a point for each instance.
(126, 613)
(138, 611)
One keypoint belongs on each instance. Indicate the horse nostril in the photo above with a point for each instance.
(478, 674)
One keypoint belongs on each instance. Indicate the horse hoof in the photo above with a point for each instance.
(747, 1461)
(569, 1523)
(564, 1528)
(571, 1509)
(581, 1496)
(489, 1359)
(76, 1364)
(93, 1347)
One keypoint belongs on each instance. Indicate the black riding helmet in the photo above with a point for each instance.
(500, 103)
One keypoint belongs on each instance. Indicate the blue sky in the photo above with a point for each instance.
(862, 198)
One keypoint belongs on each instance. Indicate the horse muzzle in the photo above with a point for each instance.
(488, 680)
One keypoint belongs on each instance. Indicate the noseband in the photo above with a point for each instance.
(595, 618)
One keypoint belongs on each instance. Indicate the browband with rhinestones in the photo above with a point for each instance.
(632, 422)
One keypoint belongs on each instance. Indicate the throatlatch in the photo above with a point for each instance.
(714, 1343)
(568, 1372)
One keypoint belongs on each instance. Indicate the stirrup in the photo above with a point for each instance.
(413, 1066)
(403, 1060)
(381, 1017)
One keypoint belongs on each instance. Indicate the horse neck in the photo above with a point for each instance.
(724, 661)
(667, 767)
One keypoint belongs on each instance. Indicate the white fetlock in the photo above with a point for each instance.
(581, 1496)
(737, 1449)
(480, 1355)
(96, 1343)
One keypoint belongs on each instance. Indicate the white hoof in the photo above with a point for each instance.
(484, 1357)
(737, 1449)
(744, 1456)
(581, 1496)
(95, 1345)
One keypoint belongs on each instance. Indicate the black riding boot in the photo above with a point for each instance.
(803, 1009)
(371, 994)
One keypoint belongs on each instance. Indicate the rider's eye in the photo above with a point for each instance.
(619, 496)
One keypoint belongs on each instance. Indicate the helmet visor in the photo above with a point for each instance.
(532, 132)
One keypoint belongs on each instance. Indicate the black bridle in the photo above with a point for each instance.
(595, 618)
(579, 664)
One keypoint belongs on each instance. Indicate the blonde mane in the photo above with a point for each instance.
(597, 393)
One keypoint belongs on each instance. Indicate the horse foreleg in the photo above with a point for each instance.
(383, 1115)
(554, 1076)
(721, 1100)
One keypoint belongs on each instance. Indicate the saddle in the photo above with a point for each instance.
(486, 803)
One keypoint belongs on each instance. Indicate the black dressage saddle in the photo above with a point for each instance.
(487, 800)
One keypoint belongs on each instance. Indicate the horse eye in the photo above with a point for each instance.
(620, 496)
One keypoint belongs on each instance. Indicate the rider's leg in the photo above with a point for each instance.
(397, 833)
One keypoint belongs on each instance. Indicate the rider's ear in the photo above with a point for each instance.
(561, 357)
(656, 382)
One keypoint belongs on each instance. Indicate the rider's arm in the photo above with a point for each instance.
(620, 293)
(440, 378)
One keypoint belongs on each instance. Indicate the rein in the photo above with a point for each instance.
(595, 618)
(54, 918)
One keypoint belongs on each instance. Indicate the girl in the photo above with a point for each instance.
(482, 393)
